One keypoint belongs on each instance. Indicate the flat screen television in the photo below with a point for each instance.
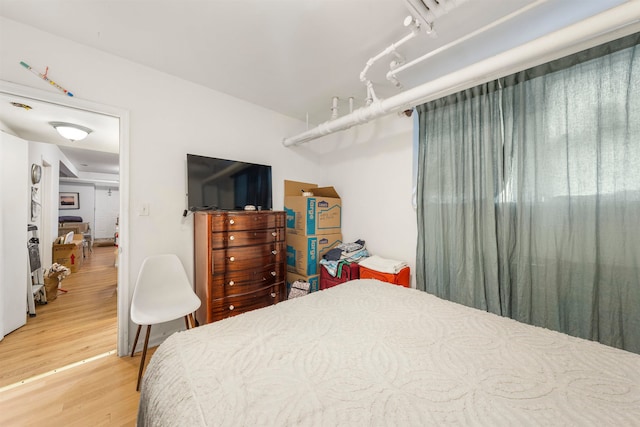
(220, 184)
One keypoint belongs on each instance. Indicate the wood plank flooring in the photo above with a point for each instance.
(78, 326)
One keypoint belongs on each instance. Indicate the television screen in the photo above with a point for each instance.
(221, 184)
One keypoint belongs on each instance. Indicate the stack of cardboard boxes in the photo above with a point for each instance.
(314, 220)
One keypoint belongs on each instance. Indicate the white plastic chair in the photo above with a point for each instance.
(162, 293)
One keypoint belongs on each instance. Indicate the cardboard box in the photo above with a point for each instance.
(69, 254)
(313, 280)
(305, 252)
(312, 215)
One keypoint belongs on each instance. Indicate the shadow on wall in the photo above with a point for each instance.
(384, 135)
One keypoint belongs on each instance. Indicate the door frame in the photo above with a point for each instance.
(123, 284)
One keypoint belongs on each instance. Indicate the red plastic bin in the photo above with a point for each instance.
(402, 278)
(349, 272)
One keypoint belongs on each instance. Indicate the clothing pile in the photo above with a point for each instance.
(344, 253)
(383, 265)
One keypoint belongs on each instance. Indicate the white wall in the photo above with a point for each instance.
(99, 206)
(107, 211)
(371, 168)
(49, 157)
(86, 198)
(169, 118)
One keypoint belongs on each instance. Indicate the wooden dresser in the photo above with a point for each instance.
(239, 262)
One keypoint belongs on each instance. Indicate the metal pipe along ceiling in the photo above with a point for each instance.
(613, 23)
(392, 74)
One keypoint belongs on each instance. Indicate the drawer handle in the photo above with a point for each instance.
(274, 234)
(231, 222)
(274, 252)
(232, 238)
(232, 259)
(231, 307)
(273, 294)
(273, 273)
(231, 283)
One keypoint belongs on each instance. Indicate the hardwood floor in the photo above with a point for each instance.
(75, 335)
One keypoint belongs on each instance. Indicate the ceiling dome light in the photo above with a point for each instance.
(71, 131)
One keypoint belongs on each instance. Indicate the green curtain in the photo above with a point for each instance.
(529, 195)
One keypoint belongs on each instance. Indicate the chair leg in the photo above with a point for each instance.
(186, 321)
(135, 342)
(144, 355)
(192, 321)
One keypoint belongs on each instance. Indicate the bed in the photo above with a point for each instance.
(370, 353)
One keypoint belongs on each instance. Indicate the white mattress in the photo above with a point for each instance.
(371, 353)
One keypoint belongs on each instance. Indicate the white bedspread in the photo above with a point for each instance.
(367, 353)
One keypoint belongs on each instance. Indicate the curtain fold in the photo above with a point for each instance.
(529, 196)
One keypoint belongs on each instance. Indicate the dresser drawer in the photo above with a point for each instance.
(233, 238)
(245, 281)
(233, 305)
(234, 221)
(247, 258)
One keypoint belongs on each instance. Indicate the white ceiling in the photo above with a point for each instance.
(97, 153)
(290, 56)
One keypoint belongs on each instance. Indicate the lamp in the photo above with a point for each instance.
(71, 131)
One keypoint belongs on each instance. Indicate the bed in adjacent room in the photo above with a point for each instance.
(371, 353)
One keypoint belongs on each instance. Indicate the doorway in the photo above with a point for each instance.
(11, 89)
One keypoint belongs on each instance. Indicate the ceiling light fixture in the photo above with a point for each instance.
(71, 131)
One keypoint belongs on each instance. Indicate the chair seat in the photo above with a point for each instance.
(148, 313)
